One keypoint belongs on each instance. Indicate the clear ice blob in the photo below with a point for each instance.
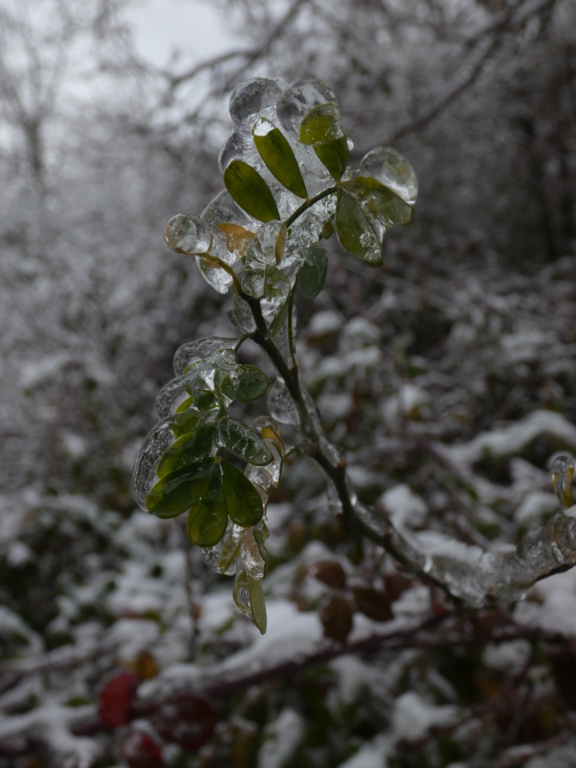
(392, 170)
(280, 403)
(193, 351)
(187, 234)
(251, 98)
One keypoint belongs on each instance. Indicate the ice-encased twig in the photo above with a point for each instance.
(465, 572)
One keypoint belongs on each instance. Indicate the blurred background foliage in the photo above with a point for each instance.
(468, 329)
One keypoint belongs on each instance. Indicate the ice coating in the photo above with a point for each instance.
(222, 209)
(280, 403)
(172, 395)
(392, 170)
(187, 234)
(144, 476)
(222, 557)
(251, 98)
(299, 98)
(193, 351)
(238, 146)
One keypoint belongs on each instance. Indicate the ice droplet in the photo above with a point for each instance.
(250, 98)
(156, 442)
(280, 403)
(187, 234)
(391, 169)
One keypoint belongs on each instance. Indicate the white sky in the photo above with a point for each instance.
(163, 27)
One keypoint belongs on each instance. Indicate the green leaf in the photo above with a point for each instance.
(250, 191)
(187, 450)
(355, 233)
(174, 493)
(321, 125)
(278, 156)
(312, 273)
(243, 501)
(243, 441)
(334, 156)
(249, 598)
(245, 383)
(184, 405)
(257, 604)
(208, 519)
(186, 421)
(204, 399)
(380, 201)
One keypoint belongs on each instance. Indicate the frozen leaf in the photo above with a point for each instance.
(355, 233)
(249, 598)
(243, 501)
(380, 202)
(312, 273)
(208, 518)
(257, 604)
(187, 234)
(321, 125)
(337, 618)
(197, 350)
(243, 441)
(144, 473)
(244, 383)
(177, 491)
(185, 422)
(392, 170)
(204, 399)
(187, 450)
(250, 191)
(115, 700)
(299, 98)
(214, 274)
(189, 721)
(237, 238)
(278, 156)
(334, 155)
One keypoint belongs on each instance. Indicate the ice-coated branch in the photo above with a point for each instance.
(466, 572)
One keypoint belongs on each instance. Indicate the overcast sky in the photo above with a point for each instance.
(164, 26)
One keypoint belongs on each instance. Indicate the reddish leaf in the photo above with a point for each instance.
(337, 618)
(395, 585)
(141, 751)
(329, 572)
(116, 699)
(188, 722)
(372, 603)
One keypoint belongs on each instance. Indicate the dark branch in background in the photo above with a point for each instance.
(507, 23)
